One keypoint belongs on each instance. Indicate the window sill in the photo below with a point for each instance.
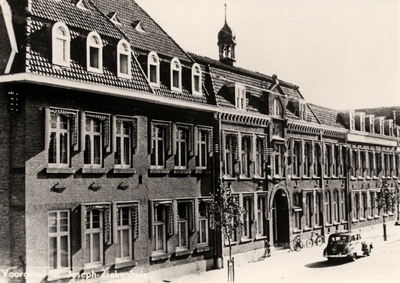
(159, 171)
(260, 237)
(316, 178)
(245, 240)
(181, 171)
(306, 178)
(232, 243)
(344, 222)
(354, 221)
(360, 179)
(388, 178)
(328, 224)
(376, 216)
(124, 171)
(368, 178)
(244, 178)
(317, 227)
(353, 178)
(297, 231)
(370, 218)
(202, 249)
(155, 257)
(295, 178)
(394, 177)
(256, 177)
(201, 171)
(123, 264)
(229, 178)
(336, 223)
(89, 268)
(335, 177)
(60, 170)
(375, 178)
(94, 170)
(278, 177)
(57, 275)
(362, 219)
(306, 229)
(183, 252)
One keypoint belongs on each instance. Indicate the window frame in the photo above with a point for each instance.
(203, 219)
(64, 58)
(153, 64)
(181, 154)
(245, 156)
(196, 83)
(91, 231)
(260, 152)
(278, 108)
(58, 234)
(176, 75)
(90, 47)
(124, 49)
(92, 134)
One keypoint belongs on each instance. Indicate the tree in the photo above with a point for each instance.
(226, 216)
(386, 200)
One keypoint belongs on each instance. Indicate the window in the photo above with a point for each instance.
(318, 209)
(196, 79)
(343, 212)
(94, 236)
(362, 163)
(278, 110)
(159, 145)
(124, 59)
(59, 241)
(123, 142)
(302, 111)
(297, 211)
(309, 210)
(61, 44)
(362, 122)
(176, 75)
(162, 224)
(335, 205)
(247, 217)
(317, 160)
(230, 152)
(202, 236)
(93, 153)
(371, 164)
(94, 51)
(357, 206)
(352, 120)
(365, 205)
(260, 157)
(202, 149)
(371, 124)
(328, 207)
(261, 219)
(328, 159)
(337, 167)
(183, 219)
(124, 233)
(353, 162)
(278, 156)
(307, 159)
(245, 156)
(59, 146)
(372, 204)
(153, 68)
(296, 158)
(181, 154)
(240, 93)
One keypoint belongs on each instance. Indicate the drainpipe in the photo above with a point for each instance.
(218, 240)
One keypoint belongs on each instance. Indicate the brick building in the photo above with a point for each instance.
(113, 138)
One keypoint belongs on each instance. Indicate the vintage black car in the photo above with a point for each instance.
(346, 245)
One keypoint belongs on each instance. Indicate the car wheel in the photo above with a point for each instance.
(330, 259)
(354, 257)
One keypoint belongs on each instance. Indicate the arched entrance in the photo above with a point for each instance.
(280, 219)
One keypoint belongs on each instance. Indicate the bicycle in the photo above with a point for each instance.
(318, 240)
(297, 243)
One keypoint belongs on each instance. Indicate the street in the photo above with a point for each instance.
(308, 265)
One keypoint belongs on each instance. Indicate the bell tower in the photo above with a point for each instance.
(226, 44)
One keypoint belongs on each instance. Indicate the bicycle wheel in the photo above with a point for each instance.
(319, 240)
(309, 243)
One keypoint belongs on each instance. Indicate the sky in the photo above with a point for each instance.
(343, 54)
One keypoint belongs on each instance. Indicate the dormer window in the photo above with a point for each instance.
(302, 111)
(352, 120)
(153, 69)
(369, 124)
(94, 53)
(176, 75)
(124, 59)
(240, 94)
(196, 79)
(278, 110)
(61, 45)
(381, 126)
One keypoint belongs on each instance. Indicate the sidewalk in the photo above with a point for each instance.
(250, 270)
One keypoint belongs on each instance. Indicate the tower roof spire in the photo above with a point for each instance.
(225, 13)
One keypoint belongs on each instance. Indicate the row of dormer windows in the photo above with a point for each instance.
(371, 124)
(61, 55)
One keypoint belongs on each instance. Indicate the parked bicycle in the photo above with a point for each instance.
(315, 239)
(297, 243)
(267, 251)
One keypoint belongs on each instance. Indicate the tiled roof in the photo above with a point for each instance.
(153, 39)
(65, 11)
(39, 62)
(327, 116)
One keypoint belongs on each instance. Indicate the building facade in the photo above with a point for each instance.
(113, 139)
